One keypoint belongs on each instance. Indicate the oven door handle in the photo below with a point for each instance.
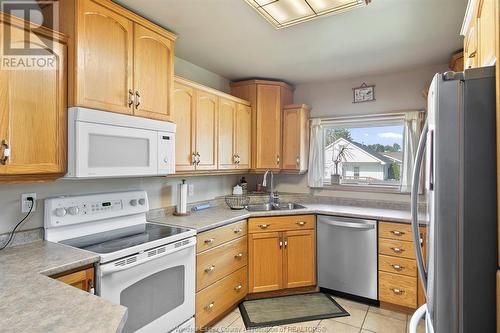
(111, 268)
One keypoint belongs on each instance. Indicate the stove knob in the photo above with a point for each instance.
(133, 202)
(142, 202)
(73, 210)
(60, 212)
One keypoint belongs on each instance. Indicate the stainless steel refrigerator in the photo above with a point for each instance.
(459, 149)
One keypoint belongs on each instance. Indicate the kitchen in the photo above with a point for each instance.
(118, 172)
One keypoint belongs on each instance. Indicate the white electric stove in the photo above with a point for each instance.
(147, 267)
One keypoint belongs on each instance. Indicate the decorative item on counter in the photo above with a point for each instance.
(237, 190)
(258, 188)
(244, 185)
(237, 202)
(181, 209)
(201, 207)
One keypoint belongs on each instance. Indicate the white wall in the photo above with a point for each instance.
(161, 191)
(393, 92)
(198, 74)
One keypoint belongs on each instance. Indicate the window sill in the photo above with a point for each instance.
(357, 188)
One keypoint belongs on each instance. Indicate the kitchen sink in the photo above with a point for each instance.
(270, 207)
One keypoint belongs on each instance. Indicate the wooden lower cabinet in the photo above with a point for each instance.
(281, 259)
(398, 278)
(221, 271)
(216, 299)
(83, 279)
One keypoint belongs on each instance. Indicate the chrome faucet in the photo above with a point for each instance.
(273, 198)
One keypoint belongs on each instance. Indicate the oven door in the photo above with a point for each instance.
(111, 151)
(157, 286)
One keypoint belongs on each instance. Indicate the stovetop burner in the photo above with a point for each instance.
(123, 238)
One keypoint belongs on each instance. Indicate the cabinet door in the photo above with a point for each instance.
(291, 139)
(227, 114)
(104, 70)
(83, 280)
(183, 115)
(299, 258)
(206, 130)
(33, 112)
(265, 262)
(486, 32)
(243, 135)
(268, 127)
(153, 73)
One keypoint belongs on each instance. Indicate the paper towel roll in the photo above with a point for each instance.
(182, 198)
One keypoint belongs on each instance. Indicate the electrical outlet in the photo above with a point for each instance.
(26, 204)
(190, 190)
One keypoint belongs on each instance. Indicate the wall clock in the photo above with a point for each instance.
(363, 93)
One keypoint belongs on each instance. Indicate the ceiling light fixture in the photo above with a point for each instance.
(284, 13)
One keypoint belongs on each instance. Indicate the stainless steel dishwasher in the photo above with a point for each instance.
(347, 256)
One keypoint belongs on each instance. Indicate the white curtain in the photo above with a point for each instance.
(412, 129)
(316, 156)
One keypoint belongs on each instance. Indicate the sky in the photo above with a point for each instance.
(384, 135)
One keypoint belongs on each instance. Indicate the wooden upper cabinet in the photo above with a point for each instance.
(265, 262)
(33, 108)
(183, 117)
(119, 61)
(480, 33)
(153, 73)
(105, 58)
(206, 130)
(269, 127)
(299, 258)
(243, 135)
(227, 121)
(486, 18)
(267, 99)
(296, 138)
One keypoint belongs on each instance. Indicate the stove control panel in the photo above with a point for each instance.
(63, 211)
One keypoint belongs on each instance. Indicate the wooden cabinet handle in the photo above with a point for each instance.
(6, 152)
(90, 287)
(397, 249)
(397, 233)
(198, 158)
(264, 226)
(237, 230)
(281, 243)
(397, 268)
(209, 241)
(238, 256)
(137, 99)
(238, 287)
(298, 160)
(286, 242)
(301, 223)
(397, 291)
(278, 160)
(210, 306)
(130, 98)
(210, 269)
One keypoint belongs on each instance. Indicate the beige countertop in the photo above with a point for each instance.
(31, 301)
(220, 215)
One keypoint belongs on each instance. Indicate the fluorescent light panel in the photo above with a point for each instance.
(284, 13)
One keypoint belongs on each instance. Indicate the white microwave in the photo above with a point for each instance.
(111, 145)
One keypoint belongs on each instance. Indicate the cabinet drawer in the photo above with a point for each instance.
(396, 248)
(217, 298)
(212, 238)
(281, 223)
(214, 264)
(397, 231)
(397, 265)
(397, 289)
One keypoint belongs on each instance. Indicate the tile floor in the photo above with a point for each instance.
(363, 318)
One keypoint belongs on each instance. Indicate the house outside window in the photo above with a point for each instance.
(366, 152)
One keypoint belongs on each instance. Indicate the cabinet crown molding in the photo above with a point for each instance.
(267, 82)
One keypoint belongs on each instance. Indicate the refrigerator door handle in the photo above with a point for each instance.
(414, 206)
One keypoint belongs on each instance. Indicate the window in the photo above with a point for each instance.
(364, 153)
